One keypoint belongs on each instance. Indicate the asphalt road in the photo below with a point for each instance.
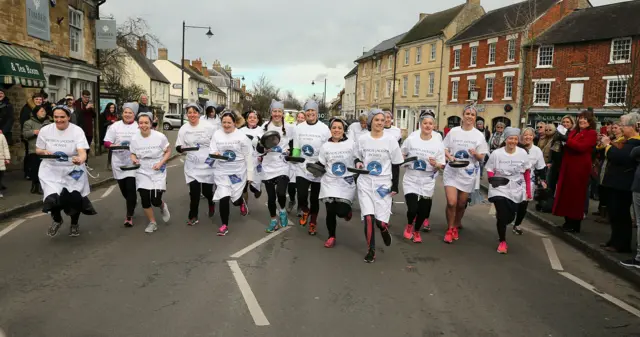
(116, 281)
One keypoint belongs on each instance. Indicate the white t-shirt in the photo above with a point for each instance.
(337, 182)
(434, 133)
(217, 124)
(237, 147)
(355, 131)
(309, 139)
(536, 160)
(273, 164)
(393, 132)
(149, 151)
(420, 176)
(379, 154)
(511, 166)
(118, 134)
(197, 166)
(458, 142)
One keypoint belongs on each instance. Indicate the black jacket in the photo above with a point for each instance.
(6, 118)
(621, 166)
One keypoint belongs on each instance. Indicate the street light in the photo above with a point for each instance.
(324, 96)
(229, 89)
(209, 34)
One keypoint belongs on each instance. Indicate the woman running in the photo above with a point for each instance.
(254, 132)
(300, 118)
(150, 149)
(64, 180)
(513, 163)
(309, 138)
(120, 134)
(379, 154)
(338, 187)
(389, 129)
(466, 143)
(198, 167)
(538, 171)
(211, 115)
(419, 180)
(275, 171)
(233, 173)
(358, 128)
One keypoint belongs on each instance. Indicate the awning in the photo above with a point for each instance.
(18, 67)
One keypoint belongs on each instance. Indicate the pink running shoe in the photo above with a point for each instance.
(416, 237)
(455, 233)
(448, 237)
(244, 209)
(223, 230)
(330, 242)
(408, 231)
(502, 247)
(426, 227)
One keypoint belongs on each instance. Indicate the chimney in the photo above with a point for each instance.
(217, 66)
(197, 64)
(141, 45)
(473, 2)
(205, 71)
(227, 68)
(163, 54)
(186, 63)
(424, 15)
(244, 88)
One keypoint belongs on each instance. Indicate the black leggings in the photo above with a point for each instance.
(292, 191)
(276, 189)
(56, 215)
(195, 188)
(335, 209)
(522, 211)
(128, 190)
(506, 211)
(302, 185)
(34, 167)
(225, 208)
(150, 198)
(620, 219)
(370, 222)
(418, 208)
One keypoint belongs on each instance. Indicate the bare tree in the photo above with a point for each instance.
(263, 92)
(290, 101)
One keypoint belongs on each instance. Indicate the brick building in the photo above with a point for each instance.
(485, 63)
(46, 45)
(589, 59)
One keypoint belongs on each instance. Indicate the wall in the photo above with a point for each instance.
(348, 99)
(172, 73)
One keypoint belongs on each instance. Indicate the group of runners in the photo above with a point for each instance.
(310, 162)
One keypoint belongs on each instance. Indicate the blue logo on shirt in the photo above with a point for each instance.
(420, 165)
(462, 154)
(374, 168)
(277, 148)
(338, 169)
(61, 156)
(230, 154)
(308, 150)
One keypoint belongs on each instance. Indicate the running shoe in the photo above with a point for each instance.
(517, 230)
(386, 236)
(502, 247)
(244, 209)
(455, 234)
(128, 222)
(223, 230)
(284, 221)
(408, 231)
(312, 229)
(273, 226)
(212, 210)
(631, 263)
(151, 227)
(426, 227)
(291, 205)
(192, 222)
(53, 229)
(166, 216)
(448, 236)
(304, 218)
(74, 230)
(348, 217)
(416, 237)
(330, 242)
(371, 256)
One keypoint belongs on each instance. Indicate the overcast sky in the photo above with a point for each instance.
(291, 41)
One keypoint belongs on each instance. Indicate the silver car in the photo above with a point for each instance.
(171, 121)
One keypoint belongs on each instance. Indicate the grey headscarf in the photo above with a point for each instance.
(131, 105)
(193, 105)
(509, 131)
(372, 114)
(310, 104)
(276, 105)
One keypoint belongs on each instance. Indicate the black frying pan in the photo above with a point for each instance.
(459, 163)
(218, 156)
(294, 159)
(357, 170)
(130, 167)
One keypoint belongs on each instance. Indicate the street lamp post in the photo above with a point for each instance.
(324, 96)
(209, 34)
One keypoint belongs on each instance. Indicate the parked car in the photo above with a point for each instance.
(171, 121)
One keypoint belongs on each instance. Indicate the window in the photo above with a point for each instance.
(406, 57)
(474, 56)
(472, 85)
(511, 50)
(616, 92)
(575, 95)
(454, 91)
(416, 85)
(541, 93)
(376, 89)
(508, 87)
(489, 91)
(401, 118)
(378, 65)
(545, 57)
(433, 52)
(388, 88)
(405, 85)
(456, 59)
(76, 40)
(432, 82)
(390, 62)
(363, 90)
(492, 53)
(418, 54)
(621, 50)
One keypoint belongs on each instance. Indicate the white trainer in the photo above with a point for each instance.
(166, 216)
(151, 227)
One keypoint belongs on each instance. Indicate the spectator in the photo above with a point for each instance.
(5, 158)
(616, 138)
(85, 114)
(25, 114)
(48, 107)
(540, 127)
(144, 107)
(575, 172)
(635, 187)
(497, 138)
(618, 180)
(108, 117)
(485, 131)
(30, 131)
(545, 143)
(557, 150)
(604, 130)
(6, 116)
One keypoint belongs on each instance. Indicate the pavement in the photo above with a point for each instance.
(186, 281)
(17, 198)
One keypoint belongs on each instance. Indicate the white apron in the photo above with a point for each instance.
(231, 176)
(229, 185)
(121, 134)
(149, 152)
(374, 195)
(257, 172)
(337, 182)
(197, 165)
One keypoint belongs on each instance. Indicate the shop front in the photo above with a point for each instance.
(554, 116)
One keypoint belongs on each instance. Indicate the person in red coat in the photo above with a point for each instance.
(575, 172)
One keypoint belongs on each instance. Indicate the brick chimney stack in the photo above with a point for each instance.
(473, 2)
(197, 64)
(205, 71)
(186, 63)
(163, 54)
(141, 45)
(217, 66)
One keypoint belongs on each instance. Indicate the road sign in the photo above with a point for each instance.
(177, 86)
